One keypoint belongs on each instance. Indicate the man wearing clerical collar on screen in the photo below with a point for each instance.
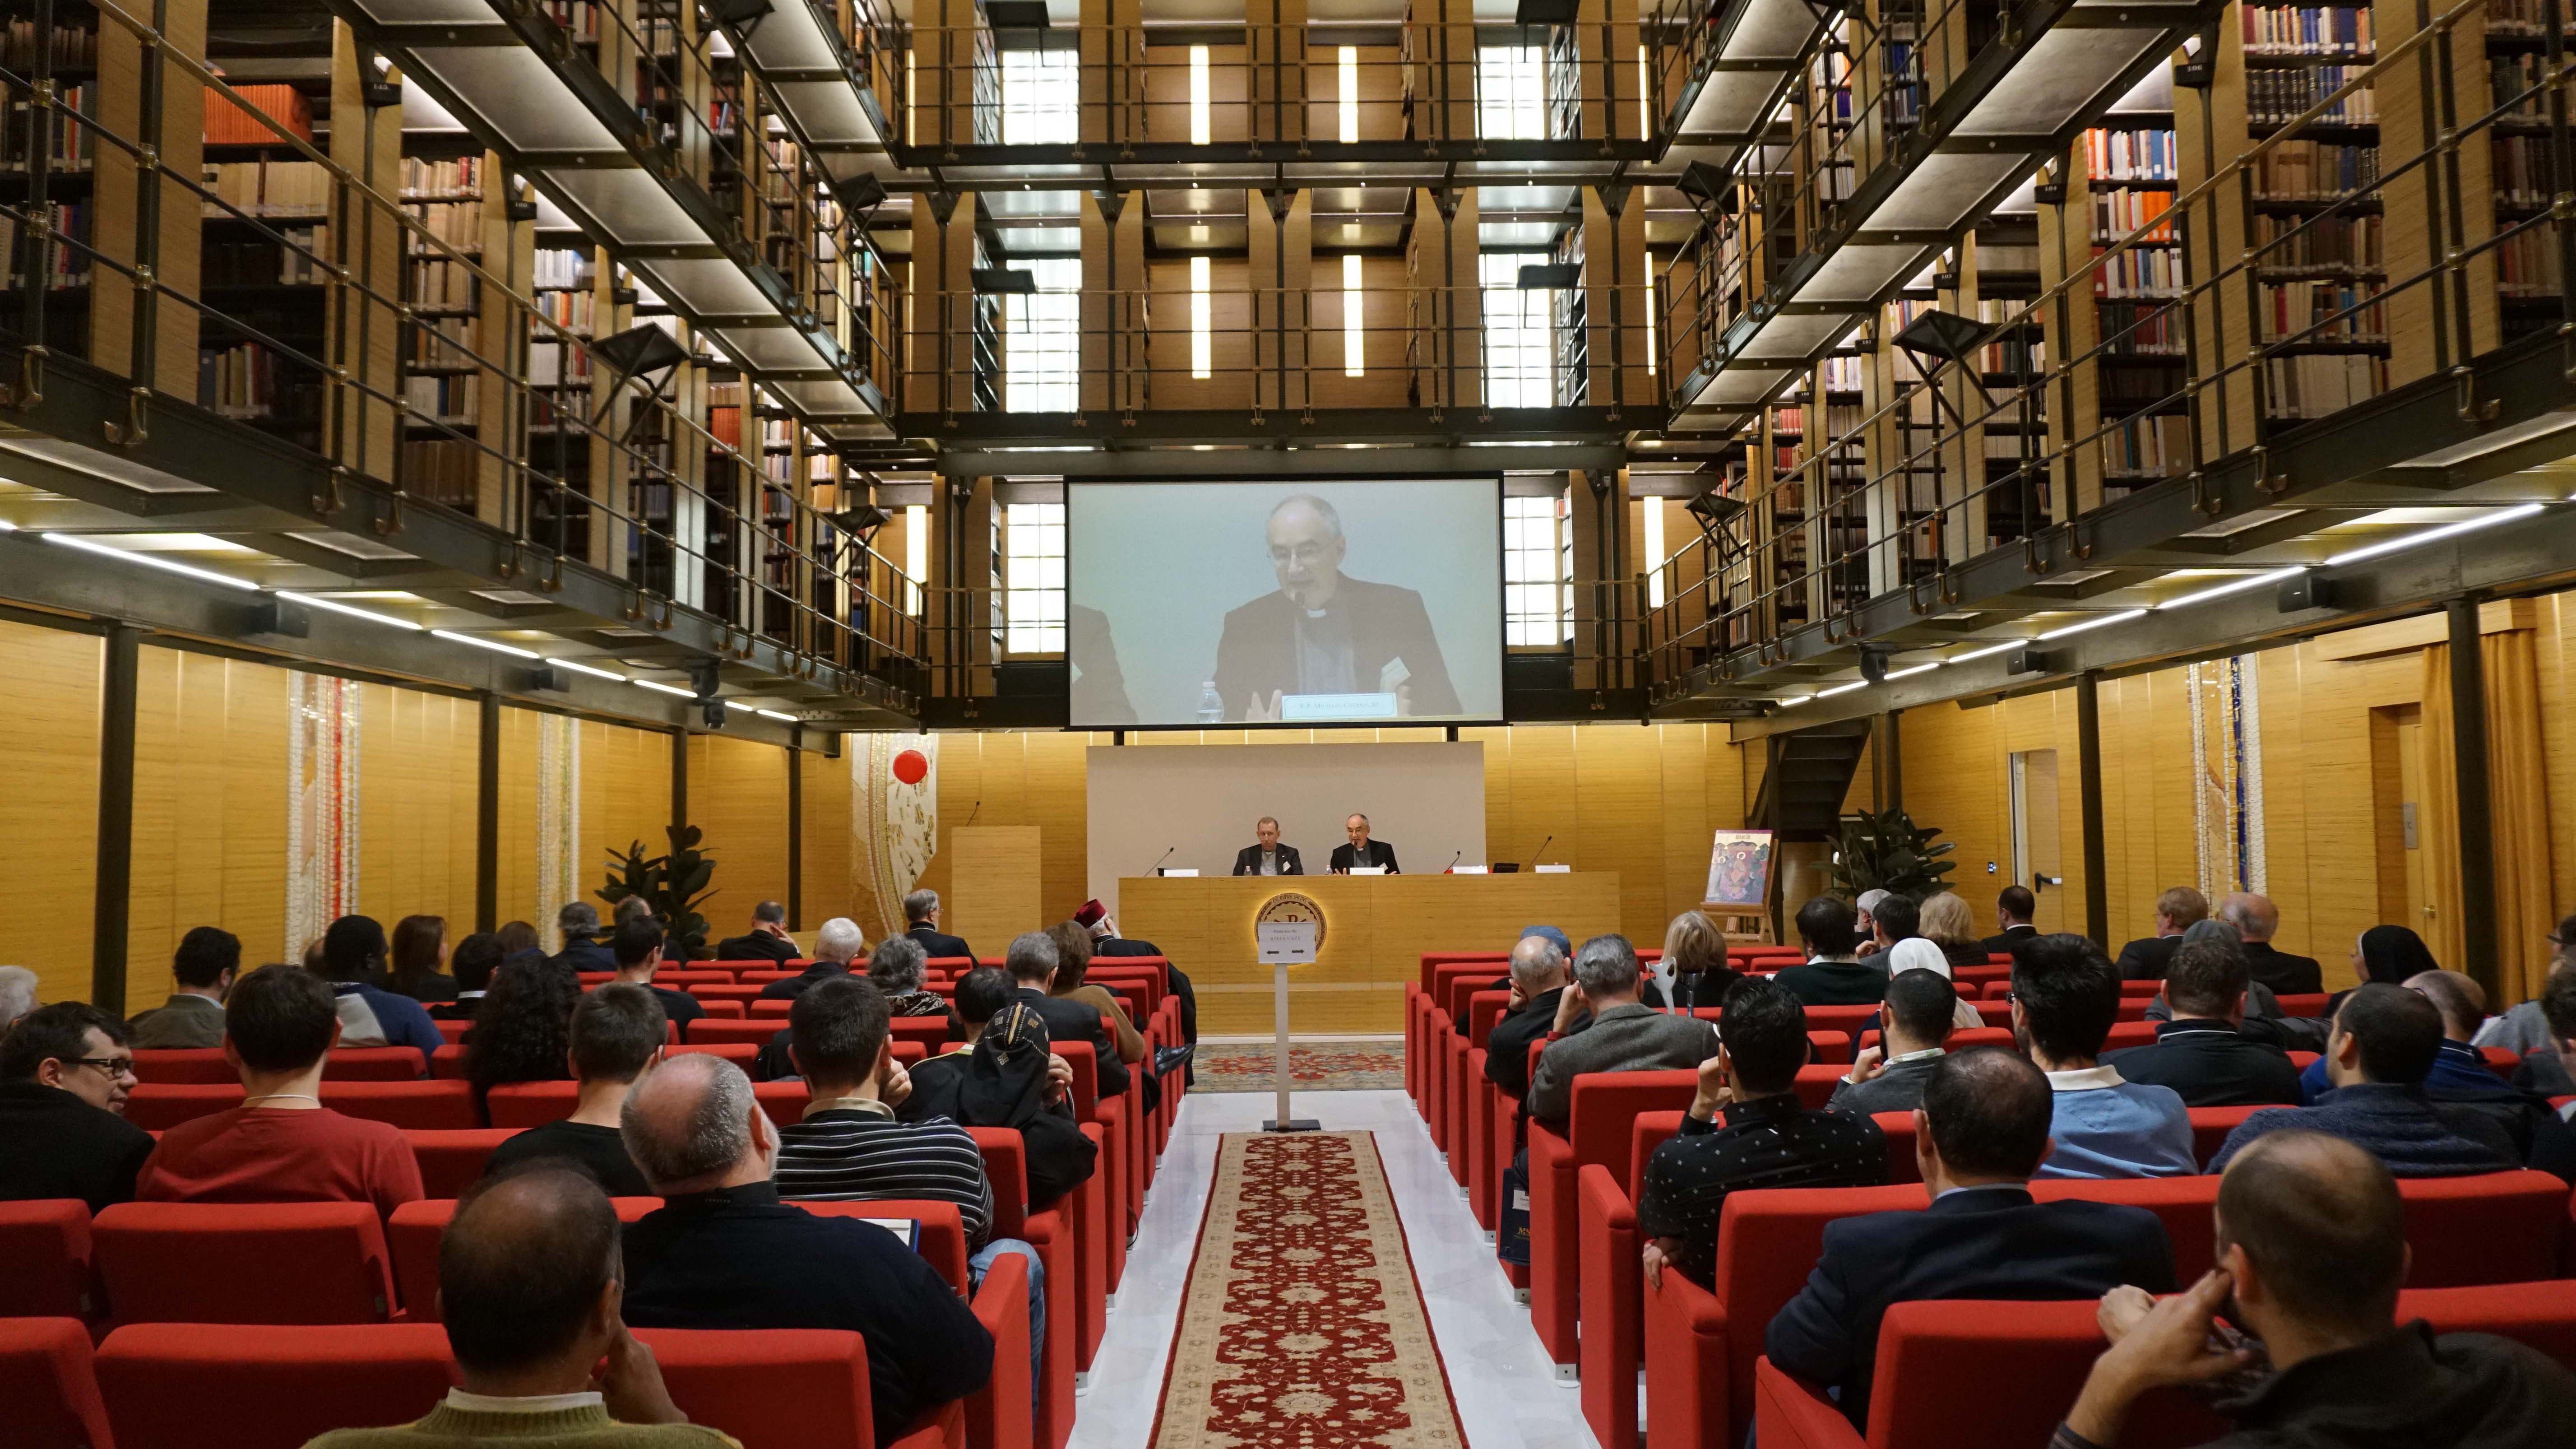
(1324, 633)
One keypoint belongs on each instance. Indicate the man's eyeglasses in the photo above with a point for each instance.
(107, 1066)
(1304, 553)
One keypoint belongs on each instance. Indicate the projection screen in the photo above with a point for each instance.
(1284, 602)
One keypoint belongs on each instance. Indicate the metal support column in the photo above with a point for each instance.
(2088, 774)
(487, 817)
(2476, 811)
(1891, 762)
(1773, 753)
(116, 698)
(796, 831)
(679, 779)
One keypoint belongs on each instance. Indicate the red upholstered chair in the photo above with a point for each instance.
(452, 1161)
(740, 1053)
(753, 1032)
(2303, 1004)
(1960, 1040)
(2210, 1126)
(1098, 1207)
(1995, 1013)
(160, 1106)
(1051, 1233)
(373, 1064)
(299, 1262)
(1898, 1129)
(721, 1010)
(2186, 1206)
(411, 1238)
(1484, 1170)
(1851, 1021)
(1604, 1104)
(772, 1009)
(930, 1033)
(447, 1064)
(1113, 1176)
(2502, 1227)
(735, 992)
(453, 1030)
(49, 1395)
(431, 1105)
(1816, 1083)
(45, 1260)
(783, 1388)
(2129, 1031)
(2147, 990)
(181, 1386)
(185, 1064)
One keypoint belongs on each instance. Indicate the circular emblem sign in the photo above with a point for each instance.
(1290, 906)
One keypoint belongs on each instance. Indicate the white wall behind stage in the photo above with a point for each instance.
(1428, 801)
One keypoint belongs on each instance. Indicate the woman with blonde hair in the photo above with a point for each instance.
(1694, 970)
(1948, 923)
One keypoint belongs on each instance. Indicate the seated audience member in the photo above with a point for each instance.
(1922, 1008)
(835, 945)
(1005, 1076)
(2311, 1254)
(1032, 961)
(2525, 1029)
(637, 945)
(2461, 1080)
(64, 1072)
(2065, 997)
(1946, 922)
(1767, 1139)
(767, 940)
(353, 961)
(1541, 973)
(723, 1252)
(523, 1031)
(2256, 921)
(2203, 1054)
(531, 1293)
(2177, 911)
(1864, 922)
(1105, 941)
(2554, 1062)
(2015, 909)
(1980, 1134)
(585, 945)
(1626, 1035)
(474, 960)
(2391, 955)
(1072, 959)
(1693, 971)
(1832, 975)
(281, 1144)
(518, 936)
(617, 1036)
(420, 948)
(192, 1019)
(921, 923)
(896, 967)
(17, 994)
(1917, 954)
(2384, 1041)
(1895, 918)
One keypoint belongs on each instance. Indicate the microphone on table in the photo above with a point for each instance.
(970, 814)
(1453, 862)
(1158, 865)
(1542, 849)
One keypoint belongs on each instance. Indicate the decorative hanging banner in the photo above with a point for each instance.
(2227, 774)
(894, 823)
(321, 806)
(559, 863)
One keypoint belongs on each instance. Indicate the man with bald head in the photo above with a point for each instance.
(532, 1294)
(723, 1252)
(2311, 1254)
(2256, 919)
(1322, 632)
(1541, 970)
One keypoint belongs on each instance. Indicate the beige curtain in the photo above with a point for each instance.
(2518, 791)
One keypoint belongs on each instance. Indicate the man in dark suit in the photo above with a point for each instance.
(1541, 972)
(1362, 851)
(2177, 911)
(921, 919)
(2015, 907)
(1032, 962)
(1981, 1132)
(585, 945)
(1099, 692)
(766, 941)
(2202, 1053)
(2255, 919)
(835, 945)
(1094, 917)
(1269, 857)
(1322, 632)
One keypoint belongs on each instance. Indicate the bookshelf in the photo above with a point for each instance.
(48, 165)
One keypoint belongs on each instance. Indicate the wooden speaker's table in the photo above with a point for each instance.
(1376, 929)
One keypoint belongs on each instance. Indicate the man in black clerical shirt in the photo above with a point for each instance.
(921, 923)
(1361, 851)
(1323, 632)
(1268, 856)
(767, 940)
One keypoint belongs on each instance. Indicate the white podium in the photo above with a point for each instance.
(1285, 944)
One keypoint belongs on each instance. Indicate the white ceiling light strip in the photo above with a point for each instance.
(2432, 535)
(495, 645)
(352, 610)
(171, 566)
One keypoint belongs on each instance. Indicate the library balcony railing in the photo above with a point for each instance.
(363, 361)
(1986, 471)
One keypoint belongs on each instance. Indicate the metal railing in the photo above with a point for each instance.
(295, 298)
(2264, 312)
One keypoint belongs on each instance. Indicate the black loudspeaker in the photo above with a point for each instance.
(2029, 661)
(546, 679)
(2305, 591)
(284, 618)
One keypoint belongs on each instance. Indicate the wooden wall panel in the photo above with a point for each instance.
(210, 804)
(2556, 622)
(828, 842)
(49, 775)
(625, 797)
(738, 796)
(515, 864)
(415, 824)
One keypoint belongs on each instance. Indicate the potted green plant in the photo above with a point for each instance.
(675, 885)
(1887, 851)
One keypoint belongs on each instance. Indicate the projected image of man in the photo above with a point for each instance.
(1323, 632)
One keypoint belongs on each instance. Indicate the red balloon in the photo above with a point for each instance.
(911, 766)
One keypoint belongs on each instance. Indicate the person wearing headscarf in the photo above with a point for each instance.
(1006, 1075)
(1914, 953)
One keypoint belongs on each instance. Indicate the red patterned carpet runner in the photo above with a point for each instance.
(1322, 1066)
(1302, 1326)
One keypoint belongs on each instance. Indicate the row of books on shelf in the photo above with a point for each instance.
(549, 365)
(2314, 171)
(1844, 374)
(260, 262)
(2524, 172)
(2277, 97)
(2319, 243)
(67, 148)
(2515, 83)
(284, 107)
(62, 265)
(2526, 17)
(445, 342)
(2300, 30)
(2323, 311)
(2138, 272)
(72, 47)
(2122, 155)
(440, 283)
(2133, 329)
(2117, 213)
(563, 267)
(268, 188)
(442, 470)
(579, 18)
(571, 311)
(2143, 448)
(2527, 263)
(2316, 387)
(1789, 419)
(425, 179)
(457, 225)
(244, 380)
(446, 399)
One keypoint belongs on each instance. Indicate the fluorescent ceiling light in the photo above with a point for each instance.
(1840, 689)
(7, 527)
(495, 645)
(1915, 669)
(580, 668)
(336, 607)
(73, 540)
(2234, 586)
(1989, 650)
(1793, 701)
(664, 688)
(2394, 545)
(2122, 617)
(773, 714)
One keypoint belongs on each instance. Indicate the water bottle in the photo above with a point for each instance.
(1211, 706)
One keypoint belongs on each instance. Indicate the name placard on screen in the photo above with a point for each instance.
(1336, 706)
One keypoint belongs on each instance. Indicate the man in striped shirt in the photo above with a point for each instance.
(850, 1148)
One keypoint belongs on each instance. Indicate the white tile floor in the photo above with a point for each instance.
(1505, 1395)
